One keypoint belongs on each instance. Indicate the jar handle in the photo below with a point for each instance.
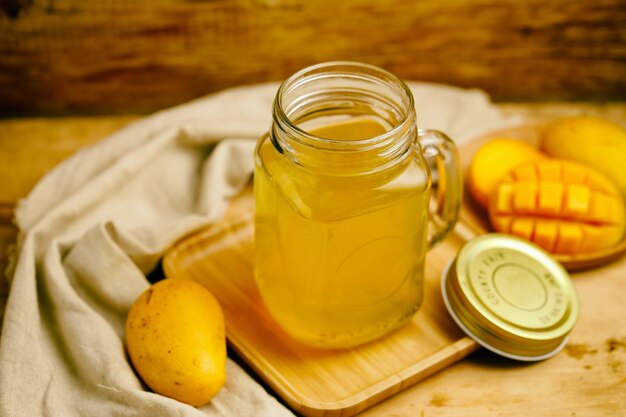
(442, 158)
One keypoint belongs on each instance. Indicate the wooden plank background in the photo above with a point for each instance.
(122, 56)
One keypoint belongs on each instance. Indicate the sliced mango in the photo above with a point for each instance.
(563, 206)
(569, 238)
(577, 200)
(550, 197)
(523, 227)
(525, 196)
(546, 234)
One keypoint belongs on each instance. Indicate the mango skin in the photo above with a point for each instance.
(562, 206)
(492, 161)
(176, 341)
(592, 141)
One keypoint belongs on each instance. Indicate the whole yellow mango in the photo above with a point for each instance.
(176, 342)
(493, 160)
(596, 142)
(562, 206)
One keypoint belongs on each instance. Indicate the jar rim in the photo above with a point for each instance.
(345, 67)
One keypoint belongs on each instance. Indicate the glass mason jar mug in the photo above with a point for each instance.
(342, 189)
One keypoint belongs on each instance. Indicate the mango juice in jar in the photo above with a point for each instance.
(342, 205)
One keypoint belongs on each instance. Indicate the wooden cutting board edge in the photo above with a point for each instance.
(240, 211)
(364, 399)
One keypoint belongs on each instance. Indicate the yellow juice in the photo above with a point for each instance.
(340, 261)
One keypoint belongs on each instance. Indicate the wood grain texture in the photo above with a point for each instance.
(29, 148)
(315, 382)
(587, 379)
(77, 57)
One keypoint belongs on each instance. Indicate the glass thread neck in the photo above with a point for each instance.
(337, 92)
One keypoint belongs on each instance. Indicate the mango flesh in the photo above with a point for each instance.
(176, 341)
(592, 141)
(493, 160)
(564, 207)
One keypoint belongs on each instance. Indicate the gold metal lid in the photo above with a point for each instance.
(511, 297)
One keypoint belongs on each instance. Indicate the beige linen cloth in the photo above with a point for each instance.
(93, 228)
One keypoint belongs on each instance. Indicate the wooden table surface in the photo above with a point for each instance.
(587, 379)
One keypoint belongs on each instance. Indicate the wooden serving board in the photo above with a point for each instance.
(316, 382)
(336, 382)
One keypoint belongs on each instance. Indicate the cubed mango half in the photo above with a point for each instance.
(563, 206)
